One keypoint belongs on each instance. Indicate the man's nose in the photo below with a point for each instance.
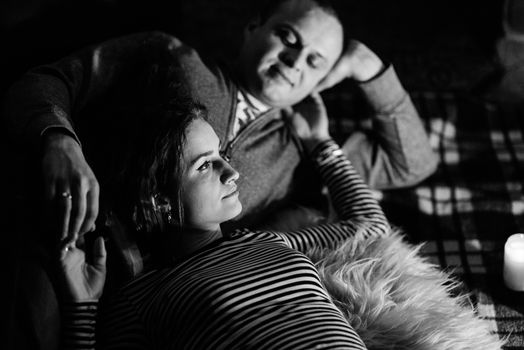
(292, 57)
(229, 174)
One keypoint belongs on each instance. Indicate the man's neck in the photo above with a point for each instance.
(253, 102)
(242, 86)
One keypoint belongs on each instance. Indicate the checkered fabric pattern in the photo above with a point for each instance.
(467, 209)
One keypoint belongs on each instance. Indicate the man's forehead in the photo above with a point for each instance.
(298, 10)
(313, 23)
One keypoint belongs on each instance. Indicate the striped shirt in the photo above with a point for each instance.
(251, 290)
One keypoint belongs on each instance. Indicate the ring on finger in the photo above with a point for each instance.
(66, 195)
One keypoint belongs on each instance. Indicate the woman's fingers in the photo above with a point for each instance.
(99, 254)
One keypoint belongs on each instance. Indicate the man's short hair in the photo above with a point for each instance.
(270, 7)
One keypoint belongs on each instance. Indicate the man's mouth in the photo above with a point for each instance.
(281, 74)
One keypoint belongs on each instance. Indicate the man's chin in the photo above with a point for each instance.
(277, 99)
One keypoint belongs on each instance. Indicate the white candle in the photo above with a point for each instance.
(514, 262)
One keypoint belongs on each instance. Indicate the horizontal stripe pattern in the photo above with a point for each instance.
(252, 290)
(78, 325)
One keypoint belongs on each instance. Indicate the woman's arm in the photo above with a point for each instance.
(78, 325)
(353, 202)
(356, 208)
(117, 326)
(82, 286)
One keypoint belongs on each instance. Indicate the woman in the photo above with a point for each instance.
(246, 290)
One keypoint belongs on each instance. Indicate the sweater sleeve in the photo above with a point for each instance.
(396, 152)
(355, 206)
(48, 96)
(78, 325)
(118, 326)
(121, 327)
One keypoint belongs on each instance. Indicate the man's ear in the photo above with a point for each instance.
(251, 26)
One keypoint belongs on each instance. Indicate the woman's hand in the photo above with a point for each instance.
(83, 281)
(310, 120)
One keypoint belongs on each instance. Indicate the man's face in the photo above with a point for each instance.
(284, 58)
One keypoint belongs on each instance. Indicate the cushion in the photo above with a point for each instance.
(395, 299)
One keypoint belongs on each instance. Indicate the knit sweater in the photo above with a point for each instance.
(93, 96)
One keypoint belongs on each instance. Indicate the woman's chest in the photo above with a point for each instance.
(240, 279)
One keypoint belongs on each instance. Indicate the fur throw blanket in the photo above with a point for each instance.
(395, 299)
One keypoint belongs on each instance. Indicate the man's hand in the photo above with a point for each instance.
(83, 281)
(357, 62)
(309, 118)
(70, 186)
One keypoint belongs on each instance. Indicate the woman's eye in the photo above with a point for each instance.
(204, 166)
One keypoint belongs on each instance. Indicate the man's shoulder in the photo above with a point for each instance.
(160, 44)
(206, 80)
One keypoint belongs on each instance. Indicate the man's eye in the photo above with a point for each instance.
(314, 61)
(287, 37)
(204, 166)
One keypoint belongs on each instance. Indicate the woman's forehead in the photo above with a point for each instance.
(200, 139)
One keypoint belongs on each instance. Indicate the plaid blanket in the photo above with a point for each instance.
(474, 201)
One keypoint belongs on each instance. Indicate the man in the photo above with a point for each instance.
(293, 49)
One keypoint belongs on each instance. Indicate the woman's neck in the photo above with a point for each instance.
(189, 240)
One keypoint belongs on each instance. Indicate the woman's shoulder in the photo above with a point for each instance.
(246, 235)
(147, 278)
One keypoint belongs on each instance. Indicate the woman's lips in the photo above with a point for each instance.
(232, 193)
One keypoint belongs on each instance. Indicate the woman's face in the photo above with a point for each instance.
(209, 190)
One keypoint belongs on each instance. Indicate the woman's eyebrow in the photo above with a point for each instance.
(201, 155)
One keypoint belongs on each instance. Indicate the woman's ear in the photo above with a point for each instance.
(153, 213)
(161, 202)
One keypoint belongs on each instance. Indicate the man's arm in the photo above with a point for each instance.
(396, 152)
(41, 110)
(49, 96)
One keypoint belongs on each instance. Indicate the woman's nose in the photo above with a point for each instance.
(229, 174)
